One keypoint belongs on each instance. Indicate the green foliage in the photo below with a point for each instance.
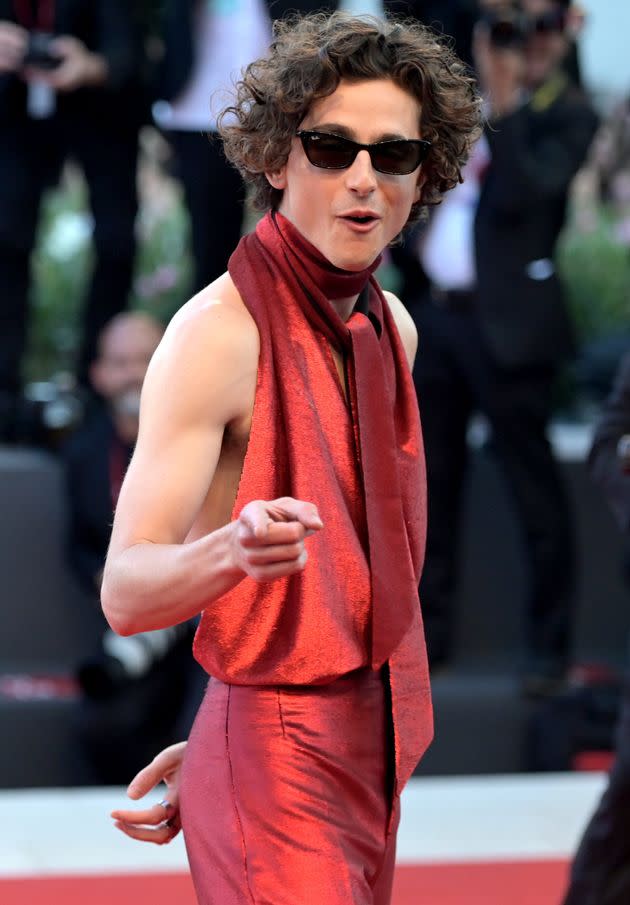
(595, 266)
(62, 265)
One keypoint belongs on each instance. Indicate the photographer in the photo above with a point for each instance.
(600, 873)
(69, 86)
(494, 323)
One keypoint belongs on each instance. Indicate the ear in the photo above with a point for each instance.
(278, 179)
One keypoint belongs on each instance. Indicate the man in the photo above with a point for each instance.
(495, 325)
(69, 85)
(134, 688)
(279, 424)
(205, 46)
(600, 873)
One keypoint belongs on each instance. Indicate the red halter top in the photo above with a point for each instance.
(361, 462)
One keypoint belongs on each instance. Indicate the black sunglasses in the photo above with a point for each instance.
(553, 21)
(397, 157)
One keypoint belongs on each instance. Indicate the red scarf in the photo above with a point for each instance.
(368, 483)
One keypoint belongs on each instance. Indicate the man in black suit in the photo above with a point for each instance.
(494, 336)
(74, 92)
(600, 874)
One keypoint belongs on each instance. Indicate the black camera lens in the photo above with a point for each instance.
(506, 29)
(548, 23)
(505, 34)
(39, 52)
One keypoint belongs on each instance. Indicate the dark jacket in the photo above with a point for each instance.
(106, 27)
(86, 457)
(605, 465)
(536, 152)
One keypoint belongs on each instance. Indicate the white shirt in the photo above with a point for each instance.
(447, 248)
(362, 7)
(228, 34)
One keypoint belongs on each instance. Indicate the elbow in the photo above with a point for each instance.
(118, 617)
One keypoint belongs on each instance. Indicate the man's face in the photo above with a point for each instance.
(545, 48)
(321, 203)
(125, 350)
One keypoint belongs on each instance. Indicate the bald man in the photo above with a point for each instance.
(134, 688)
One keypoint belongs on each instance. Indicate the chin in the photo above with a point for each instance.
(354, 261)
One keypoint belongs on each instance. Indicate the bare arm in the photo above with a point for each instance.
(405, 325)
(195, 387)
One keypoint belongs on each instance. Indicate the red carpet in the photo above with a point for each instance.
(521, 883)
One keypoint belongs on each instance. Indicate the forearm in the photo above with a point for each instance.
(149, 586)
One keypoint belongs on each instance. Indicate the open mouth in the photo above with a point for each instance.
(360, 221)
(364, 219)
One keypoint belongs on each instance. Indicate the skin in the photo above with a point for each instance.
(125, 349)
(13, 41)
(350, 112)
(544, 52)
(78, 67)
(174, 550)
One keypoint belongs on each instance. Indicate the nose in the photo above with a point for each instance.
(361, 176)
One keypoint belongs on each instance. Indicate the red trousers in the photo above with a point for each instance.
(286, 794)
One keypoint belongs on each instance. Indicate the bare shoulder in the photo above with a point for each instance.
(215, 317)
(209, 348)
(404, 323)
(202, 379)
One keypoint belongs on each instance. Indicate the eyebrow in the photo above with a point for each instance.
(346, 132)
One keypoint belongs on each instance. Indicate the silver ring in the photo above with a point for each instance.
(165, 804)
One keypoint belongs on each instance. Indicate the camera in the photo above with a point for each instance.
(39, 52)
(122, 660)
(511, 28)
(506, 28)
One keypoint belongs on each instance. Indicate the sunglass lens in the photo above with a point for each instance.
(330, 152)
(396, 157)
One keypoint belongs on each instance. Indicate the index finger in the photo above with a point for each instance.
(255, 517)
(299, 511)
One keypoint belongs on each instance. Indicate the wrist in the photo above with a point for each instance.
(96, 69)
(225, 554)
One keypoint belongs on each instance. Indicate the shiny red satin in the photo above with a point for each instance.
(356, 602)
(286, 794)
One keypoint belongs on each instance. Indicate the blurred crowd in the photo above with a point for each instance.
(79, 79)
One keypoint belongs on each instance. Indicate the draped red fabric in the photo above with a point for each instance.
(361, 462)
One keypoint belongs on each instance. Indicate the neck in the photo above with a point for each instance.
(341, 287)
(534, 82)
(344, 307)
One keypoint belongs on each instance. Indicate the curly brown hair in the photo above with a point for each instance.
(307, 59)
